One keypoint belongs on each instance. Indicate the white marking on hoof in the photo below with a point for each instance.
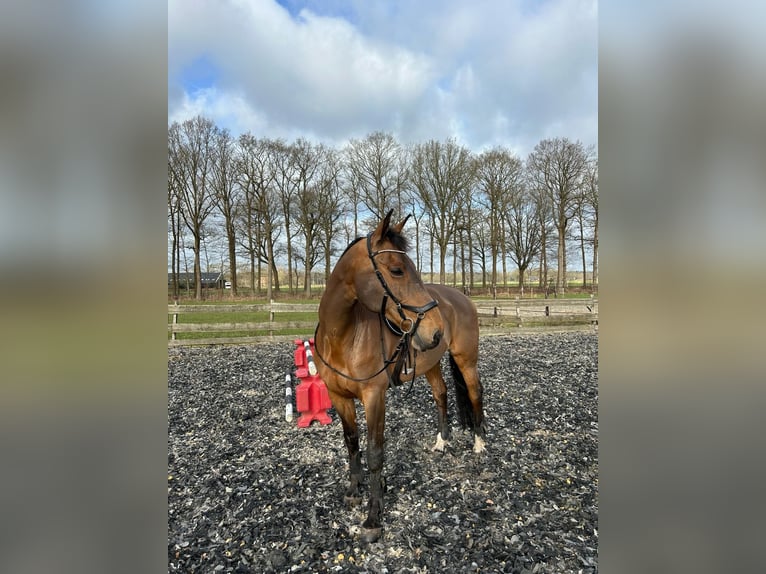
(440, 443)
(478, 444)
(371, 534)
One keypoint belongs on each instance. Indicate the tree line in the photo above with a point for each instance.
(300, 203)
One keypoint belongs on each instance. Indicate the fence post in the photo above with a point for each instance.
(592, 311)
(271, 318)
(518, 311)
(175, 322)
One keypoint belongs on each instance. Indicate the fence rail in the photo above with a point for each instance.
(496, 316)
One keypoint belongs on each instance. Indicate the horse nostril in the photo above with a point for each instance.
(437, 337)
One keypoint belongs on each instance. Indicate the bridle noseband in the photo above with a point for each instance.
(404, 330)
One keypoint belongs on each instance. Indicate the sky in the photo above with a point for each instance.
(486, 72)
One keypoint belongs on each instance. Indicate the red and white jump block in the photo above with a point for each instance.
(311, 397)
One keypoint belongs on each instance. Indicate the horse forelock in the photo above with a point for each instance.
(398, 240)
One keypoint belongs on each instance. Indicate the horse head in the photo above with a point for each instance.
(391, 285)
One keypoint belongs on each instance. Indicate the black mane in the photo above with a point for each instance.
(349, 246)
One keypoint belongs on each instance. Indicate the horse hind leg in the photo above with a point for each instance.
(439, 391)
(469, 399)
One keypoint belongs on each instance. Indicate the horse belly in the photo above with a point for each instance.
(425, 360)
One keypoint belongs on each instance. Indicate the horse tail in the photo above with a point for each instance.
(462, 402)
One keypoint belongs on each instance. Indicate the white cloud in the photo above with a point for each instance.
(230, 110)
(485, 72)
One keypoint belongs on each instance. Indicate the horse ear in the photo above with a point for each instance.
(383, 226)
(399, 226)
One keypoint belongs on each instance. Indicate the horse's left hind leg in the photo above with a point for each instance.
(473, 394)
(439, 391)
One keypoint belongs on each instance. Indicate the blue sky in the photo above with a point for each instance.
(488, 72)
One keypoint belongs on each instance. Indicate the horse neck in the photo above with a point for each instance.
(336, 310)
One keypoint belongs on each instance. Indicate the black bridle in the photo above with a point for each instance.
(420, 312)
(405, 330)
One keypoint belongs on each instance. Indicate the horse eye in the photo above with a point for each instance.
(397, 271)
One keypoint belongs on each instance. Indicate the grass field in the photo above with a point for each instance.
(242, 317)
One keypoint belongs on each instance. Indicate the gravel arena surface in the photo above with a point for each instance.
(250, 492)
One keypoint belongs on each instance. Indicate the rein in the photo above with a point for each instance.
(401, 355)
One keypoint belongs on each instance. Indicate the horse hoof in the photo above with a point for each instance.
(371, 534)
(440, 444)
(351, 500)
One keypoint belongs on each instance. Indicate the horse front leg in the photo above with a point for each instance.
(439, 391)
(347, 412)
(375, 412)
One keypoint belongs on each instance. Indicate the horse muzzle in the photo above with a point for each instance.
(424, 344)
(427, 330)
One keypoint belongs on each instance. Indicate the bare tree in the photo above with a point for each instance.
(524, 224)
(584, 233)
(480, 236)
(378, 172)
(308, 160)
(591, 200)
(542, 211)
(580, 219)
(413, 207)
(287, 180)
(261, 218)
(557, 168)
(330, 206)
(472, 215)
(499, 176)
(441, 174)
(225, 193)
(350, 185)
(190, 147)
(250, 169)
(174, 216)
(291, 203)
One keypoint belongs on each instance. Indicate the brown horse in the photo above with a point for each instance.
(380, 325)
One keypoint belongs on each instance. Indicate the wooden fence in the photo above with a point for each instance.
(496, 316)
(502, 315)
